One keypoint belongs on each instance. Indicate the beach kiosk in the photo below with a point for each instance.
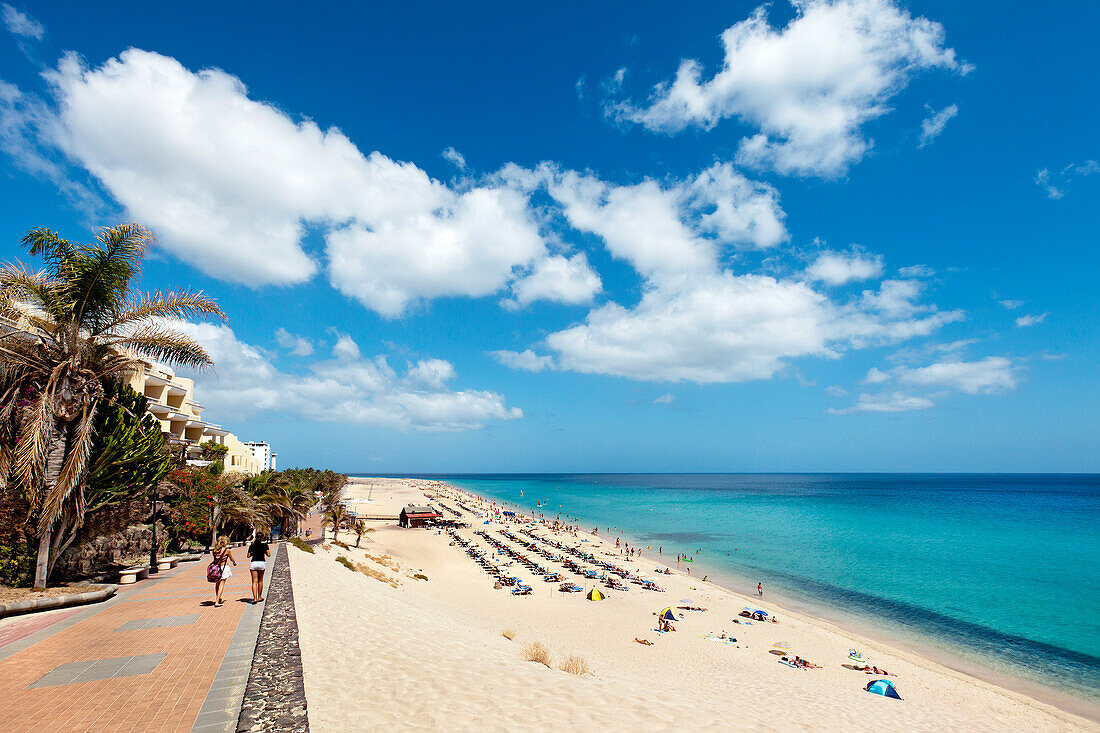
(412, 517)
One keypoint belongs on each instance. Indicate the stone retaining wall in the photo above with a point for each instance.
(275, 698)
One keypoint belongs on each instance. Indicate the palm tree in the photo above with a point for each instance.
(236, 506)
(85, 324)
(337, 515)
(285, 500)
(360, 529)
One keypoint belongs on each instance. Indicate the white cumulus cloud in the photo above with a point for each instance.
(875, 376)
(991, 374)
(526, 360)
(558, 279)
(346, 388)
(838, 268)
(698, 319)
(230, 184)
(808, 87)
(666, 230)
(298, 345)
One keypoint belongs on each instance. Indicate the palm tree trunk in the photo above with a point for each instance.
(55, 459)
(42, 567)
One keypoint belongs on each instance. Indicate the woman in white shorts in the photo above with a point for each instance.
(258, 552)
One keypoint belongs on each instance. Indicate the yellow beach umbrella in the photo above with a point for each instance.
(595, 595)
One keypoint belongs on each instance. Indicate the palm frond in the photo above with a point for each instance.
(19, 285)
(166, 345)
(30, 451)
(172, 305)
(46, 243)
(70, 484)
(98, 278)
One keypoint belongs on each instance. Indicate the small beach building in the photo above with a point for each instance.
(417, 516)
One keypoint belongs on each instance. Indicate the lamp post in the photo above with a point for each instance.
(153, 548)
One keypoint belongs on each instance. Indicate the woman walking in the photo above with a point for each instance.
(222, 557)
(258, 552)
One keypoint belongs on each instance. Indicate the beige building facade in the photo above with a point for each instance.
(172, 401)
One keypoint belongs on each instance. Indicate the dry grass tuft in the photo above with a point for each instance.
(372, 573)
(385, 561)
(508, 634)
(536, 652)
(575, 665)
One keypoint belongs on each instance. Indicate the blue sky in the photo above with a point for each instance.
(837, 236)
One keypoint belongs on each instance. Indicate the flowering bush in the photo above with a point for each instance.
(190, 503)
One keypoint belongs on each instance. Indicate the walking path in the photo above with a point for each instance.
(157, 657)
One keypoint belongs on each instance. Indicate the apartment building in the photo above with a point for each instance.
(172, 401)
(261, 451)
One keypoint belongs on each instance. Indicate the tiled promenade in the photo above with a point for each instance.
(157, 657)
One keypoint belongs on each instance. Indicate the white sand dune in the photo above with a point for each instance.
(429, 655)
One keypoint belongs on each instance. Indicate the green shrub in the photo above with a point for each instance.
(338, 543)
(301, 544)
(16, 565)
(346, 562)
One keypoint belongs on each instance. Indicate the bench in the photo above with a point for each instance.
(127, 576)
(167, 563)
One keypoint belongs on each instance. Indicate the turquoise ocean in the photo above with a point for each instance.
(999, 570)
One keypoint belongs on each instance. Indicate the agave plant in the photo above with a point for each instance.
(82, 324)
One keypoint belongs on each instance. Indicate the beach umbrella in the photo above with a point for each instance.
(667, 614)
(595, 595)
(781, 645)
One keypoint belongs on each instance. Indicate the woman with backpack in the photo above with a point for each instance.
(217, 572)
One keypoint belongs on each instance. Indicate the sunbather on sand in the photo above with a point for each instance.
(647, 642)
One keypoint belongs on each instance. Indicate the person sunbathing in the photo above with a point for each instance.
(647, 642)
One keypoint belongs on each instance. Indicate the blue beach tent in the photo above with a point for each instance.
(884, 688)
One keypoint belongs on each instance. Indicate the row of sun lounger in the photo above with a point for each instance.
(478, 556)
(607, 566)
(449, 510)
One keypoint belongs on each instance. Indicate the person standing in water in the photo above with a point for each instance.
(760, 590)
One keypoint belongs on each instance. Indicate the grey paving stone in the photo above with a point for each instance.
(218, 718)
(99, 669)
(141, 624)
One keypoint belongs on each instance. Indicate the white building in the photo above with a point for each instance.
(261, 451)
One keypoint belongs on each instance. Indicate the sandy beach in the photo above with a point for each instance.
(384, 650)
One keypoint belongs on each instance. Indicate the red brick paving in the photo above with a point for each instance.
(167, 699)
